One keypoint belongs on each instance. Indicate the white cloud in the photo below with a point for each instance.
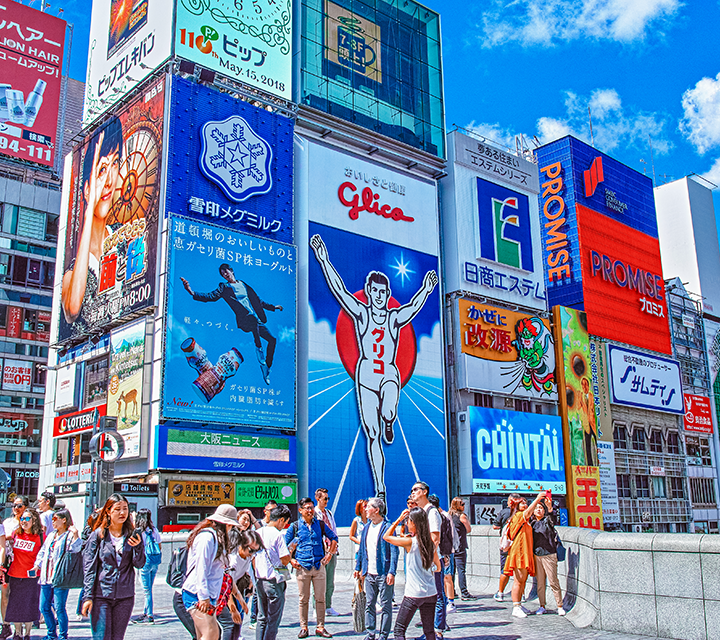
(701, 105)
(548, 22)
(493, 133)
(713, 174)
(614, 126)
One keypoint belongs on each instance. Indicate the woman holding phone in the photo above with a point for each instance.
(24, 600)
(111, 554)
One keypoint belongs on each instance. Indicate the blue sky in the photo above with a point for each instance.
(533, 67)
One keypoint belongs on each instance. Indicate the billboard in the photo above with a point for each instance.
(66, 388)
(491, 224)
(111, 241)
(229, 354)
(698, 414)
(231, 163)
(191, 493)
(249, 42)
(31, 50)
(255, 492)
(85, 420)
(505, 351)
(643, 380)
(516, 452)
(17, 375)
(579, 417)
(125, 383)
(187, 448)
(129, 39)
(623, 286)
(377, 65)
(20, 429)
(375, 357)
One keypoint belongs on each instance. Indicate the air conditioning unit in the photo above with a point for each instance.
(637, 528)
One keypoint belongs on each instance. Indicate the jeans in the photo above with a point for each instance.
(460, 562)
(109, 617)
(182, 613)
(229, 630)
(441, 600)
(147, 577)
(407, 610)
(254, 607)
(57, 598)
(330, 581)
(80, 601)
(376, 587)
(271, 602)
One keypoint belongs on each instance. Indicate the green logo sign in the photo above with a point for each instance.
(209, 33)
(256, 494)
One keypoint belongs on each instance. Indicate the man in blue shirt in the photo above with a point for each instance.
(306, 536)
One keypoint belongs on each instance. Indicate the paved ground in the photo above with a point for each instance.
(484, 619)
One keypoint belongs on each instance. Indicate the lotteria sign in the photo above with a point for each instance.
(514, 451)
(85, 420)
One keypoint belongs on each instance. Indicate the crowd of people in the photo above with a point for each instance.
(235, 565)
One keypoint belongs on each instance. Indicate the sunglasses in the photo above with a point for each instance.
(28, 519)
(17, 506)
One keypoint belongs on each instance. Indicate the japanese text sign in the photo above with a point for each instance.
(643, 380)
(230, 340)
(231, 163)
(194, 493)
(698, 414)
(85, 420)
(31, 59)
(253, 492)
(17, 375)
(510, 352)
(587, 503)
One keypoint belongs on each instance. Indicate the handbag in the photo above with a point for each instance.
(69, 569)
(561, 551)
(359, 603)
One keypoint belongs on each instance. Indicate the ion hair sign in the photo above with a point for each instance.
(129, 39)
(513, 451)
(643, 380)
(31, 59)
(230, 340)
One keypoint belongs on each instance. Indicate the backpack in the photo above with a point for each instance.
(447, 542)
(153, 554)
(177, 568)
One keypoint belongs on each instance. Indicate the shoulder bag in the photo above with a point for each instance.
(69, 569)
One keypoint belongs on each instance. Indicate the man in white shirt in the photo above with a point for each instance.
(46, 506)
(271, 574)
(323, 513)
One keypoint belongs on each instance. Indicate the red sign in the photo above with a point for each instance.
(14, 322)
(31, 51)
(623, 286)
(368, 201)
(698, 414)
(79, 421)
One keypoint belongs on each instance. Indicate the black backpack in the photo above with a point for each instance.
(447, 542)
(177, 568)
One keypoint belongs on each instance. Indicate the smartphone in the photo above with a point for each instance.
(548, 495)
(137, 532)
(32, 573)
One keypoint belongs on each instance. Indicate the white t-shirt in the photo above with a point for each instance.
(373, 536)
(275, 548)
(238, 566)
(10, 524)
(419, 582)
(118, 544)
(46, 521)
(434, 518)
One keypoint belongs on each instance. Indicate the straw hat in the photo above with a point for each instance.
(225, 514)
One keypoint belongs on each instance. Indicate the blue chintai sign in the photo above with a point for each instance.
(229, 353)
(515, 452)
(229, 162)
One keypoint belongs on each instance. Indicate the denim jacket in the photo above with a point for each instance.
(387, 554)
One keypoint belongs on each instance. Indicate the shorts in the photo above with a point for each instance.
(503, 557)
(449, 570)
(190, 601)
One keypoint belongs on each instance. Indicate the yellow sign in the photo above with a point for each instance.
(587, 504)
(192, 493)
(352, 41)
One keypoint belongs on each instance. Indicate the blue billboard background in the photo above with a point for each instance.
(229, 162)
(210, 333)
(337, 452)
(512, 448)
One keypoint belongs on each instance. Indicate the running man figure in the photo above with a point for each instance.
(377, 330)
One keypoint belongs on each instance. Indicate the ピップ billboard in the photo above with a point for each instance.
(375, 385)
(230, 338)
(31, 58)
(112, 220)
(230, 163)
(505, 351)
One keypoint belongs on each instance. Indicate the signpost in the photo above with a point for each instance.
(106, 447)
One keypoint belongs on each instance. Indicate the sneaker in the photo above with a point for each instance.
(6, 632)
(540, 611)
(439, 634)
(451, 608)
(561, 611)
(331, 612)
(389, 433)
(252, 625)
(526, 610)
(468, 596)
(79, 618)
(518, 612)
(370, 636)
(139, 620)
(499, 596)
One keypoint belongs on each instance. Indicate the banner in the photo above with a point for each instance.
(253, 492)
(192, 493)
(643, 380)
(190, 449)
(17, 375)
(231, 163)
(125, 384)
(129, 39)
(110, 247)
(579, 418)
(509, 352)
(71, 423)
(31, 50)
(66, 391)
(516, 452)
(698, 414)
(250, 42)
(230, 340)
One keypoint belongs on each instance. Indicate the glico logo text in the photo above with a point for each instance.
(505, 234)
(558, 257)
(368, 202)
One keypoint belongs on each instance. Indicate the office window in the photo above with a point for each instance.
(656, 441)
(677, 488)
(658, 483)
(642, 485)
(698, 451)
(623, 485)
(702, 491)
(638, 439)
(620, 437)
(673, 443)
